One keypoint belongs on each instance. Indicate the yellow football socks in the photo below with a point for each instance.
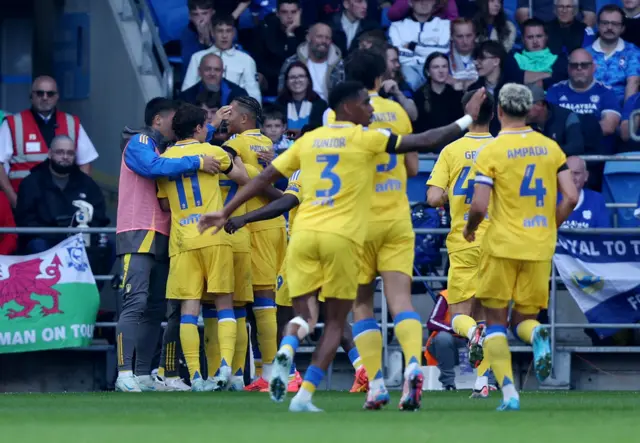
(525, 330)
(211, 346)
(463, 325)
(368, 340)
(190, 342)
(496, 349)
(264, 311)
(226, 336)
(408, 331)
(242, 341)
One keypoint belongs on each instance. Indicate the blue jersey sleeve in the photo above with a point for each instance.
(603, 216)
(552, 94)
(631, 105)
(210, 132)
(140, 156)
(610, 101)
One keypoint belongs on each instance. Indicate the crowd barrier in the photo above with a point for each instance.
(385, 324)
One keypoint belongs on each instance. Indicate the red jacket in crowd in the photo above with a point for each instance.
(8, 242)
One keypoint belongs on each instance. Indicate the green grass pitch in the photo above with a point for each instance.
(446, 417)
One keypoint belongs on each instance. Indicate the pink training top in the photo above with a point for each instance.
(138, 207)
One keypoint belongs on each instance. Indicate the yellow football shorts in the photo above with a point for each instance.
(268, 248)
(208, 269)
(463, 275)
(502, 280)
(324, 260)
(389, 246)
(282, 287)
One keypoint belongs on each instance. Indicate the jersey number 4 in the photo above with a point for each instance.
(327, 173)
(459, 189)
(538, 191)
(195, 188)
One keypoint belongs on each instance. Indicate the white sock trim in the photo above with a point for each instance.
(303, 329)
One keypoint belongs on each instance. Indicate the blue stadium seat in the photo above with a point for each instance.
(622, 185)
(172, 16)
(417, 186)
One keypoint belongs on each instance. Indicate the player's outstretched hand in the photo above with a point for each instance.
(222, 114)
(473, 106)
(468, 235)
(266, 156)
(210, 165)
(210, 220)
(234, 224)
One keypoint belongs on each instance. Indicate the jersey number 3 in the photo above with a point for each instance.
(538, 191)
(327, 173)
(195, 188)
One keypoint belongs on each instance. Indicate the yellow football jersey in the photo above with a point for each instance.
(522, 166)
(247, 145)
(192, 195)
(390, 201)
(336, 171)
(452, 172)
(294, 187)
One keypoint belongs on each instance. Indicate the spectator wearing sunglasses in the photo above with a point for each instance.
(25, 137)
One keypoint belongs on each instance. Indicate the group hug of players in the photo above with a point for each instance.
(347, 180)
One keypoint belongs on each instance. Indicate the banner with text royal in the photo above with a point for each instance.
(602, 273)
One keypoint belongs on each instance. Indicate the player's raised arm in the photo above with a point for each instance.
(429, 140)
(569, 192)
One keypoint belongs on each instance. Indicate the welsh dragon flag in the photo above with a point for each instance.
(47, 300)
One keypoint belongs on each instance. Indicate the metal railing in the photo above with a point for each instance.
(154, 60)
(384, 323)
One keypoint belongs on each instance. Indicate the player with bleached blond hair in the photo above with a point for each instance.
(521, 171)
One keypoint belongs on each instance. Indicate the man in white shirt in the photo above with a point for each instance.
(417, 36)
(239, 67)
(25, 137)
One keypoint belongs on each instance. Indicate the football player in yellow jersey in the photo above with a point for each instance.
(521, 171)
(389, 244)
(290, 202)
(198, 264)
(337, 165)
(268, 237)
(242, 293)
(451, 181)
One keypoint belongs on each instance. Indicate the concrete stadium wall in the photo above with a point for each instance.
(116, 96)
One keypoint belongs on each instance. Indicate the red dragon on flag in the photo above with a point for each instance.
(23, 282)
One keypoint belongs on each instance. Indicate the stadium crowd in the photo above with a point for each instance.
(258, 88)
